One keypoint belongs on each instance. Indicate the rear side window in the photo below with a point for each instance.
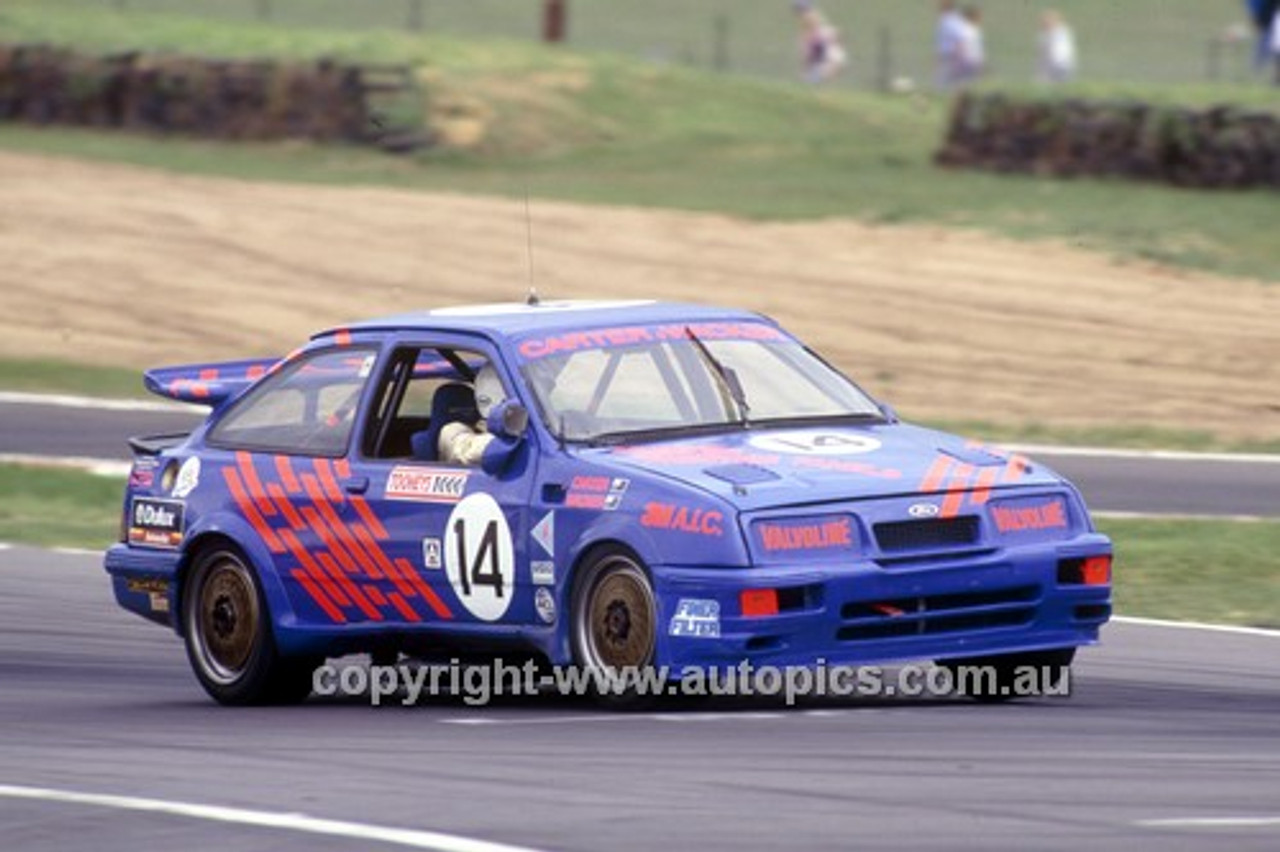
(308, 407)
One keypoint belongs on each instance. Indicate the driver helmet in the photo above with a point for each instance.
(489, 391)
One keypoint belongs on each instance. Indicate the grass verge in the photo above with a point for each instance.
(45, 376)
(53, 507)
(604, 129)
(1217, 571)
(1111, 436)
(1214, 571)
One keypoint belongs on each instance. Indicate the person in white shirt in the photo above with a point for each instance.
(463, 443)
(947, 39)
(971, 50)
(1057, 49)
(820, 45)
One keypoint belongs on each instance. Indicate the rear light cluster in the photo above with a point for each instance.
(1089, 571)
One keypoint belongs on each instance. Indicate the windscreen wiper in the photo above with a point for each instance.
(728, 378)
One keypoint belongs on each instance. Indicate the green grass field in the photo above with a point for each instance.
(55, 507)
(607, 129)
(44, 376)
(1198, 570)
(1155, 41)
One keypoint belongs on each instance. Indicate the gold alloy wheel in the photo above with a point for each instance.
(617, 626)
(224, 621)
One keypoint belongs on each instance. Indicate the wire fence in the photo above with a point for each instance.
(1141, 41)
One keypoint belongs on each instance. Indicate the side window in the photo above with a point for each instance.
(308, 407)
(407, 398)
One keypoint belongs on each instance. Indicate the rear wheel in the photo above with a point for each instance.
(228, 635)
(614, 624)
(1009, 676)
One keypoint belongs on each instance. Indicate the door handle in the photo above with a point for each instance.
(355, 484)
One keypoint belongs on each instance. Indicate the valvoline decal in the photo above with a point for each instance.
(807, 537)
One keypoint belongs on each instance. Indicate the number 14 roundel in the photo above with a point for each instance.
(479, 558)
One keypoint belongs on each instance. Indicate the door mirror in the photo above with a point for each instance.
(509, 419)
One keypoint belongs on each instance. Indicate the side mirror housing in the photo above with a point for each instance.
(508, 419)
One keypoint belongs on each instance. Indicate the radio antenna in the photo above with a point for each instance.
(532, 299)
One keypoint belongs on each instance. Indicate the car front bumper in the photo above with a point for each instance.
(998, 602)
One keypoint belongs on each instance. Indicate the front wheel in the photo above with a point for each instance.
(1009, 676)
(228, 635)
(615, 624)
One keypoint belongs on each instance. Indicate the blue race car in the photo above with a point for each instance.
(636, 484)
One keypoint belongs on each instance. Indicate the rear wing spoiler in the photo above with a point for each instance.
(207, 384)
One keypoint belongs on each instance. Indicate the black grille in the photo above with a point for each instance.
(899, 536)
(952, 613)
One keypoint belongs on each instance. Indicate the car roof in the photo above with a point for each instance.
(515, 319)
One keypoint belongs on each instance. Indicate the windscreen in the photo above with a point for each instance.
(592, 386)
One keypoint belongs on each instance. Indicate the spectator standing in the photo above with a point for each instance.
(947, 38)
(1263, 14)
(971, 53)
(824, 55)
(1275, 44)
(1057, 49)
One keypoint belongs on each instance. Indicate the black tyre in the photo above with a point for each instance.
(997, 678)
(228, 635)
(615, 621)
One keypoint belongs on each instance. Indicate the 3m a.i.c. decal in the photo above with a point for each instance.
(668, 516)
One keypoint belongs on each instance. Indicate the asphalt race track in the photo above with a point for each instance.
(1170, 741)
(1176, 485)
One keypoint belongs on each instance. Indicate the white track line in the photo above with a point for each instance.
(364, 832)
(1211, 822)
(99, 467)
(1196, 625)
(1174, 516)
(94, 403)
(1159, 455)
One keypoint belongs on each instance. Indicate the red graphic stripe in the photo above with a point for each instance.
(318, 596)
(251, 481)
(285, 469)
(321, 529)
(343, 469)
(362, 535)
(372, 592)
(341, 534)
(986, 479)
(286, 508)
(366, 555)
(933, 477)
(327, 480)
(250, 511)
(1016, 468)
(313, 570)
(365, 511)
(954, 500)
(351, 589)
(401, 604)
(401, 583)
(428, 593)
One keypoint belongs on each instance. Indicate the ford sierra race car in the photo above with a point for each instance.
(659, 485)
